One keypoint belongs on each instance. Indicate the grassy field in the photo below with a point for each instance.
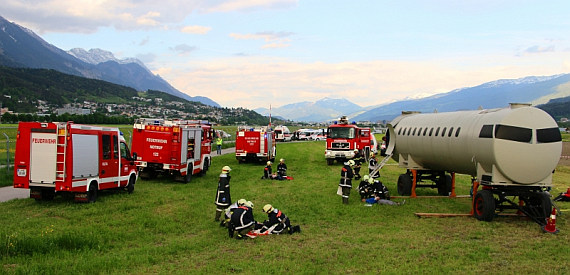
(168, 227)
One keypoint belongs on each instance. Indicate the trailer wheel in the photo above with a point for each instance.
(538, 204)
(330, 161)
(444, 185)
(484, 206)
(131, 184)
(404, 185)
(92, 193)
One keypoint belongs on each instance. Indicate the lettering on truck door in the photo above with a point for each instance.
(43, 157)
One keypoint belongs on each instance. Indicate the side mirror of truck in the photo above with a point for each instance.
(134, 156)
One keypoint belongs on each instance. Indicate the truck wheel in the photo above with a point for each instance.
(188, 177)
(484, 206)
(131, 184)
(404, 185)
(444, 185)
(330, 161)
(48, 195)
(205, 168)
(92, 193)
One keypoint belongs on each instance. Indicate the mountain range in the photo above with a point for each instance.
(22, 48)
(533, 89)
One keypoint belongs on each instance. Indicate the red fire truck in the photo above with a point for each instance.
(255, 143)
(180, 148)
(63, 157)
(343, 138)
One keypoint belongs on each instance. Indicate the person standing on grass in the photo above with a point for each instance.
(372, 162)
(358, 159)
(346, 176)
(219, 142)
(223, 198)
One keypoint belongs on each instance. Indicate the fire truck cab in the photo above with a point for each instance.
(63, 157)
(180, 148)
(343, 138)
(255, 143)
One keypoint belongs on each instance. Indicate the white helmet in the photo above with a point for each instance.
(268, 162)
(226, 169)
(267, 208)
(249, 204)
(241, 202)
(351, 163)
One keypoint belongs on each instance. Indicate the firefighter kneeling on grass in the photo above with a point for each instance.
(242, 221)
(277, 222)
(228, 212)
(345, 184)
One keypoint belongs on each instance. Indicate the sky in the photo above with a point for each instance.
(257, 53)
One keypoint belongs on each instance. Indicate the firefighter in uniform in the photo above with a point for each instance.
(346, 176)
(277, 222)
(241, 221)
(372, 162)
(282, 170)
(365, 188)
(267, 171)
(228, 212)
(358, 159)
(223, 198)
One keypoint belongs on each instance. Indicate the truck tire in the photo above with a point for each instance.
(188, 177)
(404, 185)
(444, 185)
(484, 206)
(205, 168)
(92, 193)
(131, 184)
(48, 194)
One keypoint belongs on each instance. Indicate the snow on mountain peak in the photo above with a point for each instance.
(96, 56)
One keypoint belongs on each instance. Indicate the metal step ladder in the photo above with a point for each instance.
(60, 170)
(380, 165)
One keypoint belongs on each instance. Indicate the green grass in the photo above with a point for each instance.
(168, 227)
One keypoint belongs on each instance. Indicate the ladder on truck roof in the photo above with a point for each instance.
(380, 165)
(60, 169)
(163, 122)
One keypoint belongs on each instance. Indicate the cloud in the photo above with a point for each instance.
(88, 16)
(257, 81)
(273, 39)
(250, 5)
(539, 49)
(184, 49)
(196, 29)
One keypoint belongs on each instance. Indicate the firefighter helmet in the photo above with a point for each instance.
(371, 180)
(365, 178)
(268, 162)
(351, 163)
(267, 208)
(226, 169)
(281, 160)
(356, 150)
(241, 202)
(249, 204)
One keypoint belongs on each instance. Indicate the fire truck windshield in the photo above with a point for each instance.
(341, 132)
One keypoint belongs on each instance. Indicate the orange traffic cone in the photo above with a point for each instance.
(550, 226)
